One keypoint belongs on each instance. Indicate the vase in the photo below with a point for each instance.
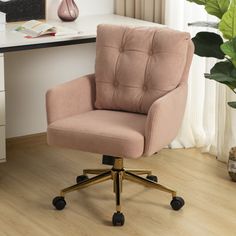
(68, 10)
(232, 164)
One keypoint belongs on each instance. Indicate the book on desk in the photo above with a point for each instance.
(35, 28)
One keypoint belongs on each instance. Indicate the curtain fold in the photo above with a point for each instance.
(209, 122)
(149, 10)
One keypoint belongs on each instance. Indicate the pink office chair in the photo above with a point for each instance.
(130, 108)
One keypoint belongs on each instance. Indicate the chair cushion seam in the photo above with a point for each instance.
(87, 133)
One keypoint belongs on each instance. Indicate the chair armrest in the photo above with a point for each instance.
(164, 119)
(71, 98)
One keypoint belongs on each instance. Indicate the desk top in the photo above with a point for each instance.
(86, 26)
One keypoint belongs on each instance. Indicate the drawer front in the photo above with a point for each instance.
(2, 144)
(1, 72)
(2, 108)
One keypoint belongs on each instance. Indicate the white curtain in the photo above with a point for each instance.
(149, 10)
(209, 122)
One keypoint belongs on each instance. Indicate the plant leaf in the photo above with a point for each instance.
(217, 7)
(229, 48)
(223, 72)
(220, 77)
(207, 44)
(214, 7)
(232, 104)
(224, 67)
(228, 23)
(199, 2)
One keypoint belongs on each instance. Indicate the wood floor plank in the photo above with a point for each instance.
(34, 174)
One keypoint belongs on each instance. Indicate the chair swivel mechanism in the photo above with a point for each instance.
(131, 107)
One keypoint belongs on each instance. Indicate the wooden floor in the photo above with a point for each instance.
(35, 173)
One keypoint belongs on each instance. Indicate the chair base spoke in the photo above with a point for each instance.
(117, 174)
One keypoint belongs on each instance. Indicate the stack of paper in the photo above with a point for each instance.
(2, 21)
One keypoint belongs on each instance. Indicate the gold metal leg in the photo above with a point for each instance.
(117, 179)
(95, 171)
(117, 174)
(94, 180)
(148, 183)
(139, 172)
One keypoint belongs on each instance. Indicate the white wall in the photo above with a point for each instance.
(30, 73)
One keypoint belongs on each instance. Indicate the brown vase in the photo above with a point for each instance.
(68, 11)
(232, 164)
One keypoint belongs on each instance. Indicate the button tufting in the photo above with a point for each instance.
(116, 83)
(150, 53)
(145, 88)
(121, 50)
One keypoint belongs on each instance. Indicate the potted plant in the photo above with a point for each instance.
(223, 47)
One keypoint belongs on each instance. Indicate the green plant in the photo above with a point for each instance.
(209, 44)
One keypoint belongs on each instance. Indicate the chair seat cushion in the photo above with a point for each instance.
(113, 133)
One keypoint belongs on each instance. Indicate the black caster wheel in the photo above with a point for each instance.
(118, 219)
(177, 203)
(59, 203)
(81, 178)
(152, 178)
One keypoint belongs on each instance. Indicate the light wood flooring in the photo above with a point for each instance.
(34, 174)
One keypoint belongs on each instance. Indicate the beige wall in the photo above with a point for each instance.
(29, 74)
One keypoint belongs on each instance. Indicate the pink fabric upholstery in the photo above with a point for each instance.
(136, 66)
(106, 132)
(71, 98)
(166, 113)
(164, 119)
(148, 75)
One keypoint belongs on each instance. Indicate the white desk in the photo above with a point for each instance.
(13, 41)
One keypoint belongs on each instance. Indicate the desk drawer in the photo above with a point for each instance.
(2, 143)
(2, 108)
(1, 72)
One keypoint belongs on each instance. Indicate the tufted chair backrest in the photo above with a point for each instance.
(136, 66)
